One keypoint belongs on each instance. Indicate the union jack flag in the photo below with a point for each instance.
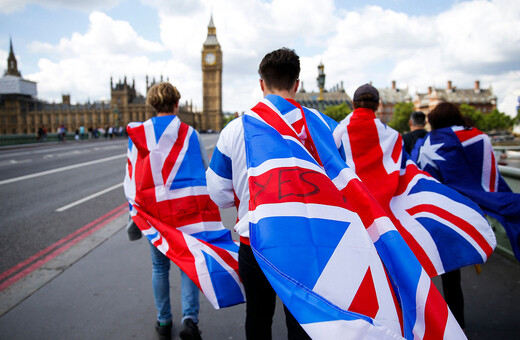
(463, 159)
(165, 185)
(444, 229)
(327, 248)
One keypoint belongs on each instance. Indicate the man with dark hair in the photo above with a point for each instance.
(280, 69)
(227, 179)
(366, 97)
(417, 131)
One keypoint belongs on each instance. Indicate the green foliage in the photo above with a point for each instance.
(475, 117)
(401, 117)
(495, 120)
(338, 112)
(226, 119)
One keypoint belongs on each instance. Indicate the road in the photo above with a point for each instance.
(50, 191)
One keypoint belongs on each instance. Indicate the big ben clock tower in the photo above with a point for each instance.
(211, 81)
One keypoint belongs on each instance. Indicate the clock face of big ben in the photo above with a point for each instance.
(210, 58)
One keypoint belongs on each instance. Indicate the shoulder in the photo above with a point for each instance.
(233, 129)
(330, 123)
(231, 137)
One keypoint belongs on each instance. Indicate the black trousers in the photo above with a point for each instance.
(453, 295)
(261, 301)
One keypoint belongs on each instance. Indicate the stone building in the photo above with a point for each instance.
(388, 98)
(481, 99)
(323, 98)
(21, 112)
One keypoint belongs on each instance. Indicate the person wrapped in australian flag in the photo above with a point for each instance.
(462, 157)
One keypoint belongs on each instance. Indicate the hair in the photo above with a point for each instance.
(280, 69)
(418, 118)
(444, 115)
(163, 97)
(366, 101)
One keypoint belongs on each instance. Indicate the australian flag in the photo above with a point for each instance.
(463, 159)
(165, 185)
(327, 248)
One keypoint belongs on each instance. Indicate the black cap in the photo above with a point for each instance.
(367, 88)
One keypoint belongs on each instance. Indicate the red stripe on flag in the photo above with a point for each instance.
(273, 119)
(282, 185)
(368, 157)
(457, 221)
(365, 302)
(359, 200)
(416, 248)
(464, 135)
(435, 315)
(173, 155)
(398, 149)
(493, 175)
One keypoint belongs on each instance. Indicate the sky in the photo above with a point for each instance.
(75, 46)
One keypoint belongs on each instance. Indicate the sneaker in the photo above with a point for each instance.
(164, 331)
(190, 330)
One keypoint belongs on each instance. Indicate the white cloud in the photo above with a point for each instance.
(3, 61)
(85, 62)
(473, 40)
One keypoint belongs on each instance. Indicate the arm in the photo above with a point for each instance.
(219, 175)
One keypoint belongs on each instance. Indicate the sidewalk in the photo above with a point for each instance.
(106, 293)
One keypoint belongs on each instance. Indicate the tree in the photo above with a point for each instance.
(475, 117)
(338, 112)
(401, 117)
(495, 120)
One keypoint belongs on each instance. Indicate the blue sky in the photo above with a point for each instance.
(74, 46)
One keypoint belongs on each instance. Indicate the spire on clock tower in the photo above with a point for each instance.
(12, 68)
(211, 39)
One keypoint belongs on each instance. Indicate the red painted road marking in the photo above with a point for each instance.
(37, 260)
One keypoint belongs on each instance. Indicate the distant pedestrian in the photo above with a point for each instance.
(417, 123)
(39, 136)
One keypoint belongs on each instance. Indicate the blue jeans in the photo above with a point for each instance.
(161, 290)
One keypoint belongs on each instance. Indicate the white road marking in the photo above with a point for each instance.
(84, 199)
(13, 161)
(48, 172)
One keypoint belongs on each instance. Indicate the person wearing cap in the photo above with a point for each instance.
(375, 152)
(417, 131)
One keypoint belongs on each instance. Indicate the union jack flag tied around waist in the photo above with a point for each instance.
(463, 159)
(165, 185)
(324, 244)
(444, 229)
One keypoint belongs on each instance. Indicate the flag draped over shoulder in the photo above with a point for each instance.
(325, 245)
(165, 185)
(463, 159)
(444, 229)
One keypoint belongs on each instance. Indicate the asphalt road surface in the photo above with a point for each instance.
(50, 191)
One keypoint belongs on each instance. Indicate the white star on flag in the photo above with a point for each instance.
(428, 154)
